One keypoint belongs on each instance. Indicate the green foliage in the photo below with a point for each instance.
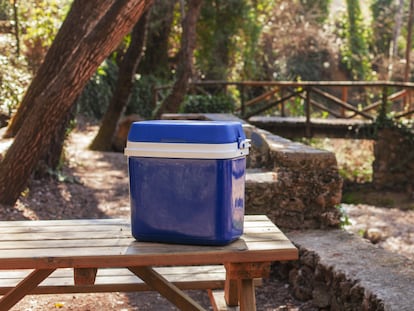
(61, 177)
(208, 104)
(354, 157)
(318, 8)
(295, 107)
(344, 220)
(40, 21)
(309, 64)
(228, 35)
(14, 80)
(383, 20)
(141, 101)
(218, 25)
(5, 10)
(293, 44)
(404, 127)
(356, 174)
(95, 98)
(355, 53)
(248, 43)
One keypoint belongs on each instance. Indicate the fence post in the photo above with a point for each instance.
(344, 98)
(243, 108)
(383, 112)
(307, 110)
(154, 96)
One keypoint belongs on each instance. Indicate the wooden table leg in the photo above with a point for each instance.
(247, 295)
(84, 276)
(231, 289)
(24, 288)
(157, 282)
(239, 286)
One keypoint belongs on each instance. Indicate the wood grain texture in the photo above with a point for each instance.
(104, 242)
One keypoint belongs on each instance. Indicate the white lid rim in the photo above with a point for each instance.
(194, 151)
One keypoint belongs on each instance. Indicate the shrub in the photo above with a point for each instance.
(142, 97)
(14, 80)
(96, 95)
(208, 104)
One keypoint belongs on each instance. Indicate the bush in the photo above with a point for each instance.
(142, 97)
(96, 95)
(14, 80)
(208, 104)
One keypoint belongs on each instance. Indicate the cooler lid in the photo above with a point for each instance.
(184, 131)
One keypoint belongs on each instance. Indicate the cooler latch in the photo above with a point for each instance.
(243, 143)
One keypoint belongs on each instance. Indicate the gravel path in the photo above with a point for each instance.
(390, 228)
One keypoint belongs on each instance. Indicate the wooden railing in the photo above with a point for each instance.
(339, 99)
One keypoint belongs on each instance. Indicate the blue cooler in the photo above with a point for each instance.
(187, 181)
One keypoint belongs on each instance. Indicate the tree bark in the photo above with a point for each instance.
(82, 17)
(59, 91)
(397, 29)
(123, 88)
(409, 42)
(185, 64)
(52, 157)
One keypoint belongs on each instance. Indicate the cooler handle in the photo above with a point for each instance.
(243, 143)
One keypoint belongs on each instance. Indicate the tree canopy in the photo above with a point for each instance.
(81, 57)
(103, 27)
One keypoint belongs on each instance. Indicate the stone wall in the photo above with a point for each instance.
(393, 166)
(338, 270)
(297, 186)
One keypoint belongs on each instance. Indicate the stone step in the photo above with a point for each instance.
(339, 270)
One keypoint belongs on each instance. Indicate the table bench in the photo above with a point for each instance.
(99, 255)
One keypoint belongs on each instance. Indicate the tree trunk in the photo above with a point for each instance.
(123, 89)
(83, 18)
(409, 42)
(53, 155)
(156, 60)
(397, 29)
(58, 94)
(185, 60)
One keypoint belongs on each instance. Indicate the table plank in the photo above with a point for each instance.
(64, 222)
(69, 243)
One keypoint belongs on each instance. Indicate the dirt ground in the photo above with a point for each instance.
(95, 185)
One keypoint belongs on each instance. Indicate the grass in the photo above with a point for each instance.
(355, 159)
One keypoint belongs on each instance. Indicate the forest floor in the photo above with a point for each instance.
(95, 185)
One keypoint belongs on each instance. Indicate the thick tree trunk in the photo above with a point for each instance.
(123, 88)
(185, 64)
(51, 159)
(57, 96)
(83, 17)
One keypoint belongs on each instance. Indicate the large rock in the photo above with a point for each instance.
(297, 186)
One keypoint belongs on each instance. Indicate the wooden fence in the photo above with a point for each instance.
(338, 99)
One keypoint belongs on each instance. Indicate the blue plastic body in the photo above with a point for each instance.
(190, 201)
(186, 200)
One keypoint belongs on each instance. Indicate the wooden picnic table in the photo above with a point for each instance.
(38, 248)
